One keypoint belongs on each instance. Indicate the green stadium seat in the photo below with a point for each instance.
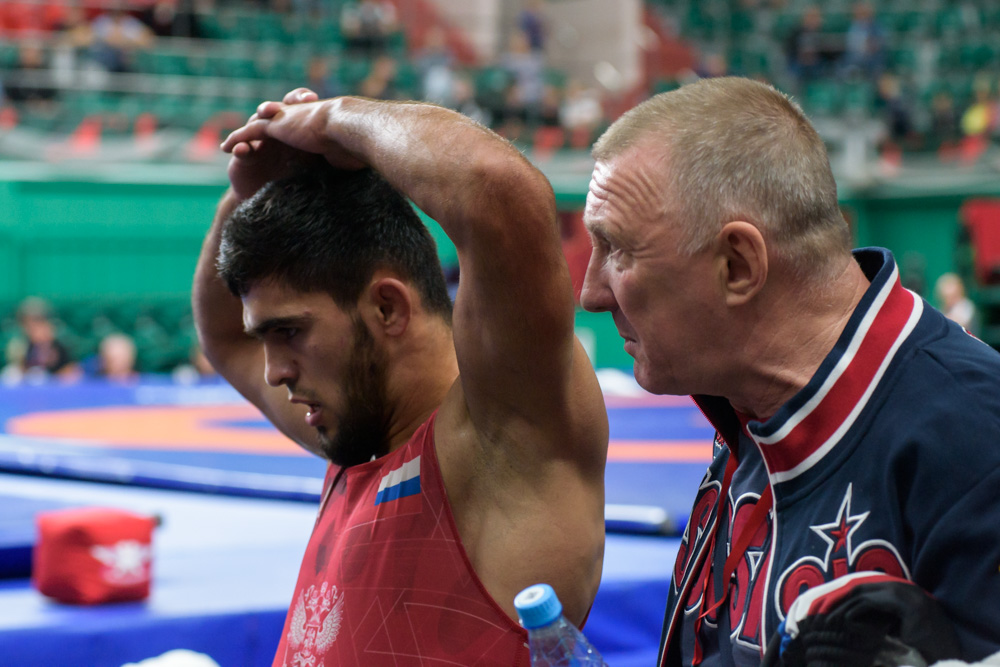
(325, 35)
(491, 86)
(836, 21)
(408, 79)
(978, 54)
(352, 71)
(294, 68)
(143, 62)
(8, 55)
(903, 59)
(246, 25)
(79, 346)
(274, 28)
(199, 63)
(751, 62)
(154, 352)
(79, 315)
(783, 25)
(234, 67)
(102, 326)
(396, 44)
(665, 86)
(743, 22)
(858, 98)
(171, 314)
(822, 98)
(948, 56)
(169, 63)
(906, 21)
(701, 25)
(960, 85)
(44, 121)
(124, 313)
(210, 26)
(949, 21)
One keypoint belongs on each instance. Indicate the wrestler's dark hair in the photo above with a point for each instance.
(328, 230)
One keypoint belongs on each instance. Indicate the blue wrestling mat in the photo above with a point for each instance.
(206, 437)
(157, 442)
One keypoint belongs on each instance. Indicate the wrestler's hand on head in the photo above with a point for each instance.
(255, 163)
(299, 121)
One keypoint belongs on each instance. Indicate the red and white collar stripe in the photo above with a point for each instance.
(814, 429)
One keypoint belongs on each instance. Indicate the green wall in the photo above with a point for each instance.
(921, 225)
(134, 232)
(83, 235)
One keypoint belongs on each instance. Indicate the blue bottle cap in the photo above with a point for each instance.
(537, 605)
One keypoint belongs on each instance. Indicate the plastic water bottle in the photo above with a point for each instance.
(552, 640)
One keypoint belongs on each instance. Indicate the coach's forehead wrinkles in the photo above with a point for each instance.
(622, 189)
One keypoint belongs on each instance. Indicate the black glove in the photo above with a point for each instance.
(865, 619)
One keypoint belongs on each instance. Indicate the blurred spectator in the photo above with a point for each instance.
(864, 44)
(116, 36)
(944, 133)
(953, 302)
(367, 26)
(896, 111)
(321, 78)
(527, 69)
(172, 18)
(581, 113)
(810, 51)
(435, 63)
(380, 84)
(532, 22)
(197, 369)
(116, 358)
(73, 46)
(548, 109)
(980, 121)
(40, 354)
(464, 100)
(709, 65)
(511, 118)
(913, 272)
(30, 84)
(981, 118)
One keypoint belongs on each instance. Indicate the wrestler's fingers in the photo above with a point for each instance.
(268, 109)
(242, 150)
(300, 95)
(246, 149)
(253, 131)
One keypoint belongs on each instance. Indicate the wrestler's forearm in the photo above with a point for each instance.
(466, 177)
(218, 315)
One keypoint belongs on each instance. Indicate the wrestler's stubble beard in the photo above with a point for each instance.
(363, 425)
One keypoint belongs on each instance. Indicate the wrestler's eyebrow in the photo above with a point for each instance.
(260, 330)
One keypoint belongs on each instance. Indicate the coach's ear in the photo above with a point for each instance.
(390, 304)
(744, 269)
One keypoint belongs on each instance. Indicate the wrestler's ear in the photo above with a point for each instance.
(744, 266)
(390, 304)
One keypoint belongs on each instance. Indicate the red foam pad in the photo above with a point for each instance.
(93, 555)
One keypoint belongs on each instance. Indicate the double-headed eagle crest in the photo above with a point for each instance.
(314, 626)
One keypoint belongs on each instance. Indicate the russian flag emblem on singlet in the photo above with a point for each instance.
(400, 482)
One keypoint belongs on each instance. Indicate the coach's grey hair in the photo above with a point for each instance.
(737, 149)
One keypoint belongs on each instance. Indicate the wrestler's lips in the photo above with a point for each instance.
(314, 416)
(315, 412)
